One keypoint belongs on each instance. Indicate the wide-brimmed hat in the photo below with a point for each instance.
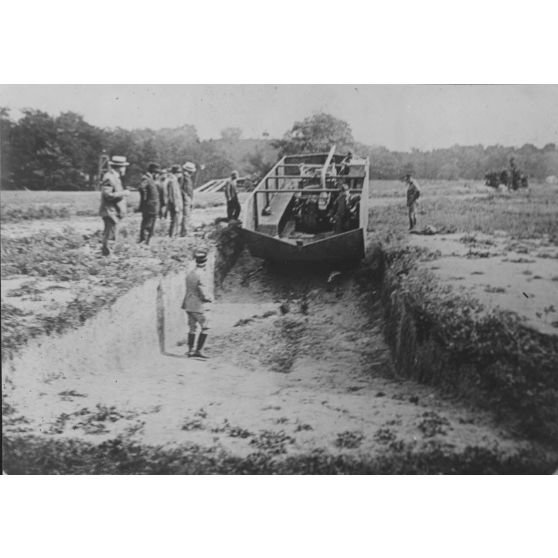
(153, 167)
(118, 161)
(190, 167)
(200, 256)
(175, 168)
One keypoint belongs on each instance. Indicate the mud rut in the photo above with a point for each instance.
(297, 364)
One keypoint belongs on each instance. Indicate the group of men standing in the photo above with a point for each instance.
(163, 193)
(512, 179)
(166, 193)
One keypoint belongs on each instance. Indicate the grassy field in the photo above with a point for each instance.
(397, 189)
(18, 205)
(450, 207)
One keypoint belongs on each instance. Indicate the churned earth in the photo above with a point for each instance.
(290, 372)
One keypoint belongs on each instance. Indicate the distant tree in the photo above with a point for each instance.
(6, 125)
(316, 133)
(37, 158)
(259, 163)
(81, 144)
(231, 134)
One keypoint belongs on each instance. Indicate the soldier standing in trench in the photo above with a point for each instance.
(413, 194)
(194, 300)
(113, 199)
(341, 208)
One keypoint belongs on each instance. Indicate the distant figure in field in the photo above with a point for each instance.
(231, 195)
(413, 194)
(150, 202)
(113, 200)
(196, 297)
(175, 202)
(187, 188)
(515, 175)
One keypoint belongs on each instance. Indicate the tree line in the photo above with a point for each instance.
(320, 131)
(40, 151)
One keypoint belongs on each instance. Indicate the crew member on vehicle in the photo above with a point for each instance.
(150, 202)
(197, 295)
(413, 194)
(174, 203)
(113, 200)
(187, 187)
(341, 208)
(231, 195)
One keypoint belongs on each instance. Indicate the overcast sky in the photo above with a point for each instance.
(396, 116)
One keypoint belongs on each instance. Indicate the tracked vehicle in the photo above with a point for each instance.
(290, 216)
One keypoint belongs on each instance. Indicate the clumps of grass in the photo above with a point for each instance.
(384, 435)
(349, 439)
(272, 442)
(302, 427)
(239, 432)
(94, 422)
(59, 425)
(192, 424)
(69, 394)
(490, 289)
(15, 214)
(27, 454)
(232, 431)
(431, 424)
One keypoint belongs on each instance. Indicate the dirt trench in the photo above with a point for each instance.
(298, 366)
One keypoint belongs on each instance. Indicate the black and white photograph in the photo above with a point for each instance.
(279, 279)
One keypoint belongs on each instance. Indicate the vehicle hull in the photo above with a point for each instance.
(345, 246)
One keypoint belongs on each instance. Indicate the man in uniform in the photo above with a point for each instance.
(515, 175)
(231, 195)
(113, 199)
(196, 296)
(175, 203)
(413, 194)
(150, 202)
(341, 208)
(162, 180)
(187, 187)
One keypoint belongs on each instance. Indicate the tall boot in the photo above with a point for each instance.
(201, 341)
(191, 341)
